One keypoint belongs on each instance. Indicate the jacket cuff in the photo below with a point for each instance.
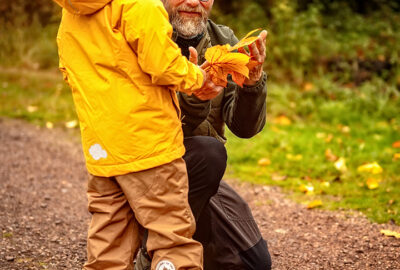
(258, 87)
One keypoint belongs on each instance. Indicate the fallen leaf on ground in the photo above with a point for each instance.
(297, 157)
(71, 124)
(329, 155)
(340, 165)
(373, 183)
(396, 144)
(49, 125)
(326, 184)
(373, 168)
(31, 108)
(308, 189)
(278, 177)
(391, 233)
(264, 162)
(282, 231)
(314, 204)
(329, 138)
(283, 120)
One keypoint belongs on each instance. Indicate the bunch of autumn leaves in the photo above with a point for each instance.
(224, 60)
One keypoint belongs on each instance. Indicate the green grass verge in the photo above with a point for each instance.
(359, 127)
(38, 97)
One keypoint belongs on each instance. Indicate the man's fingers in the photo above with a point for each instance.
(205, 65)
(262, 41)
(243, 50)
(193, 55)
(263, 35)
(254, 51)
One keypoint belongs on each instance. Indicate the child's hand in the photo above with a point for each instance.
(209, 90)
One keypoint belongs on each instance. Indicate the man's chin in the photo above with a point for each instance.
(191, 30)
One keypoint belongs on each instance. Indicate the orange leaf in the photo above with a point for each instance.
(329, 155)
(283, 120)
(222, 62)
(264, 162)
(247, 40)
(238, 78)
(396, 144)
(373, 183)
(252, 64)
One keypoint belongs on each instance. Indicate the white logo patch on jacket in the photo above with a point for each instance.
(165, 265)
(97, 152)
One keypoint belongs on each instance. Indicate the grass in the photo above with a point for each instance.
(308, 133)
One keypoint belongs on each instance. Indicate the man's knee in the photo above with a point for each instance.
(257, 257)
(208, 155)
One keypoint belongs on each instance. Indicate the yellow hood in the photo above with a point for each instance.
(82, 7)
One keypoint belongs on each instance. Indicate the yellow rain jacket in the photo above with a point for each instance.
(123, 69)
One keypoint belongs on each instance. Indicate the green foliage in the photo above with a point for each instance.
(33, 46)
(310, 38)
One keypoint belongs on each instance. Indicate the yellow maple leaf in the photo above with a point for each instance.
(373, 168)
(222, 62)
(396, 156)
(247, 40)
(314, 204)
(390, 233)
(373, 183)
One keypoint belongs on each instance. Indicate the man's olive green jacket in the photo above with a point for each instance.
(243, 110)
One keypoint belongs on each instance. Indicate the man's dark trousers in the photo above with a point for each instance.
(225, 224)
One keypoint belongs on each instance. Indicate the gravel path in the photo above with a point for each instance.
(43, 214)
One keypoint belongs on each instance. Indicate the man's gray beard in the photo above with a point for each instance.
(186, 27)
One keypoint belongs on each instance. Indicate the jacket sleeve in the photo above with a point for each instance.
(194, 112)
(244, 108)
(146, 28)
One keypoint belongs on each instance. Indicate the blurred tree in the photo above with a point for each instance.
(358, 6)
(23, 13)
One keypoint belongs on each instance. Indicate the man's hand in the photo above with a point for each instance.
(257, 52)
(209, 90)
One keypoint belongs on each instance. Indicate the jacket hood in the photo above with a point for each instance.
(82, 7)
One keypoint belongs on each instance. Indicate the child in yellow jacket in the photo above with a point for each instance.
(124, 69)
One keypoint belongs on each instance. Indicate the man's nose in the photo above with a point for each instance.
(192, 3)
